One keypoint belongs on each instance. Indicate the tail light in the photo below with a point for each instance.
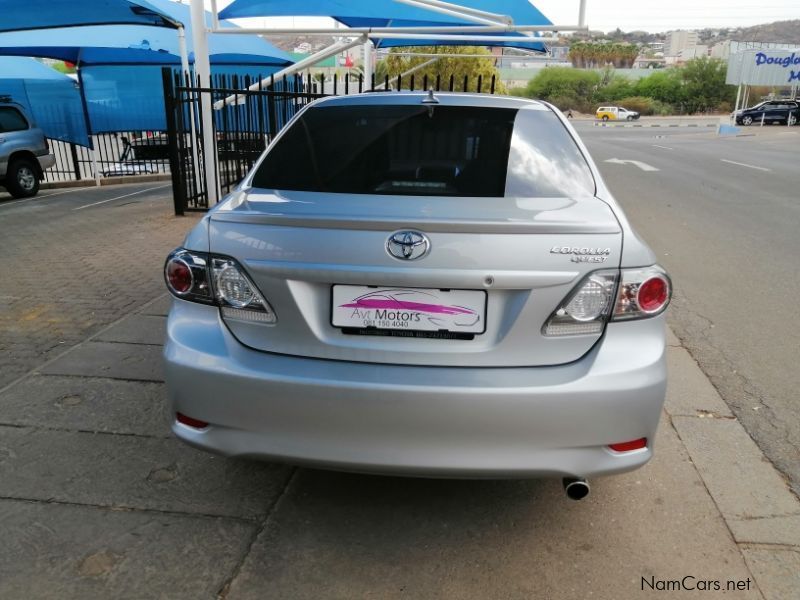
(642, 293)
(216, 280)
(586, 309)
(616, 295)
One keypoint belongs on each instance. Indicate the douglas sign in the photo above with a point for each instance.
(762, 66)
(790, 62)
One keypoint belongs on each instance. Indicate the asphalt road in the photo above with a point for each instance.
(723, 215)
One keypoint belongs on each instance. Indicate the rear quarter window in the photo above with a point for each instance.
(11, 120)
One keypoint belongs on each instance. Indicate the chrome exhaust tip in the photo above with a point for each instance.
(576, 488)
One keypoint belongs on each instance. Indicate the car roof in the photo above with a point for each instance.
(405, 98)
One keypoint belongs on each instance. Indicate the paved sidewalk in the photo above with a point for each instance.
(97, 500)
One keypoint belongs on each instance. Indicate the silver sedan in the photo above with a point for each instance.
(426, 284)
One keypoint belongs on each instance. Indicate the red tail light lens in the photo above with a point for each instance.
(642, 293)
(190, 422)
(179, 276)
(653, 294)
(629, 446)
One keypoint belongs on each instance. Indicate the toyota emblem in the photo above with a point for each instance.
(408, 245)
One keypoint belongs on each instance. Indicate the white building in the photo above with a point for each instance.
(680, 40)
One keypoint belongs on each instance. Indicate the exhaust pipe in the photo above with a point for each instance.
(576, 488)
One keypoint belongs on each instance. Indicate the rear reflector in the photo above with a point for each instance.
(629, 446)
(190, 422)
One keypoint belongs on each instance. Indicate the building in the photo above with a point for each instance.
(680, 40)
(692, 52)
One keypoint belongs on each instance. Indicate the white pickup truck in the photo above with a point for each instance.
(615, 113)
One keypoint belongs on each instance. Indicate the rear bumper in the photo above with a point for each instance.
(46, 161)
(437, 421)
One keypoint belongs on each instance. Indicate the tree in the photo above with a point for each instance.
(444, 68)
(704, 85)
(565, 87)
(665, 86)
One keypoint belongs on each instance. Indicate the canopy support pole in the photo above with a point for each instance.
(460, 12)
(186, 77)
(202, 69)
(367, 65)
(296, 67)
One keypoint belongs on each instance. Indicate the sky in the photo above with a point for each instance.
(647, 15)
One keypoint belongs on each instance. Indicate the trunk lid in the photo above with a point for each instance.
(296, 246)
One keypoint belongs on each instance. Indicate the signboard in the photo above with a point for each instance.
(765, 67)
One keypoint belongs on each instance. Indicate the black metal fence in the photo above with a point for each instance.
(243, 128)
(117, 154)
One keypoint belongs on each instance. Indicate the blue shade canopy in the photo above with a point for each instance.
(388, 13)
(20, 15)
(138, 44)
(52, 99)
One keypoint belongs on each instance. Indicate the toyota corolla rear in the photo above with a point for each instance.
(411, 283)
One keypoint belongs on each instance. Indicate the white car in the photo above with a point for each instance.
(616, 113)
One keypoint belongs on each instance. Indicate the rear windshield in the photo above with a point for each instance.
(411, 150)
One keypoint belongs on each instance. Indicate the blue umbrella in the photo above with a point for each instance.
(139, 45)
(43, 14)
(387, 13)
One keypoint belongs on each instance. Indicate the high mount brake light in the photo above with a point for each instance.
(216, 280)
(640, 293)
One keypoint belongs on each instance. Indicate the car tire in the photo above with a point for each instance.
(605, 117)
(22, 178)
(747, 120)
(630, 118)
(792, 120)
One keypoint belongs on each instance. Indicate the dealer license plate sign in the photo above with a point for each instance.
(409, 309)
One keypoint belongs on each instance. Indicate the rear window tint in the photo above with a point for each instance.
(405, 150)
(11, 120)
(544, 161)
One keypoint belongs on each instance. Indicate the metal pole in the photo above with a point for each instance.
(738, 97)
(463, 11)
(367, 65)
(187, 75)
(202, 69)
(443, 8)
(582, 14)
(296, 67)
(352, 31)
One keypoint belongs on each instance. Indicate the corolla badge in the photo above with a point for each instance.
(408, 245)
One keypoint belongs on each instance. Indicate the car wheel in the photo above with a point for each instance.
(22, 178)
(630, 118)
(747, 120)
(792, 120)
(605, 117)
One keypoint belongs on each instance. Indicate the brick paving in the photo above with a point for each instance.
(65, 273)
(98, 500)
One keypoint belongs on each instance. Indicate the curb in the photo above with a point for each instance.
(53, 185)
(655, 125)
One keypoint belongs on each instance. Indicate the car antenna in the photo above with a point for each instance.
(431, 101)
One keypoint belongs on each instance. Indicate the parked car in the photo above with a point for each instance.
(616, 113)
(24, 151)
(771, 111)
(435, 285)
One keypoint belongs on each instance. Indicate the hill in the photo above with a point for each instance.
(779, 31)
